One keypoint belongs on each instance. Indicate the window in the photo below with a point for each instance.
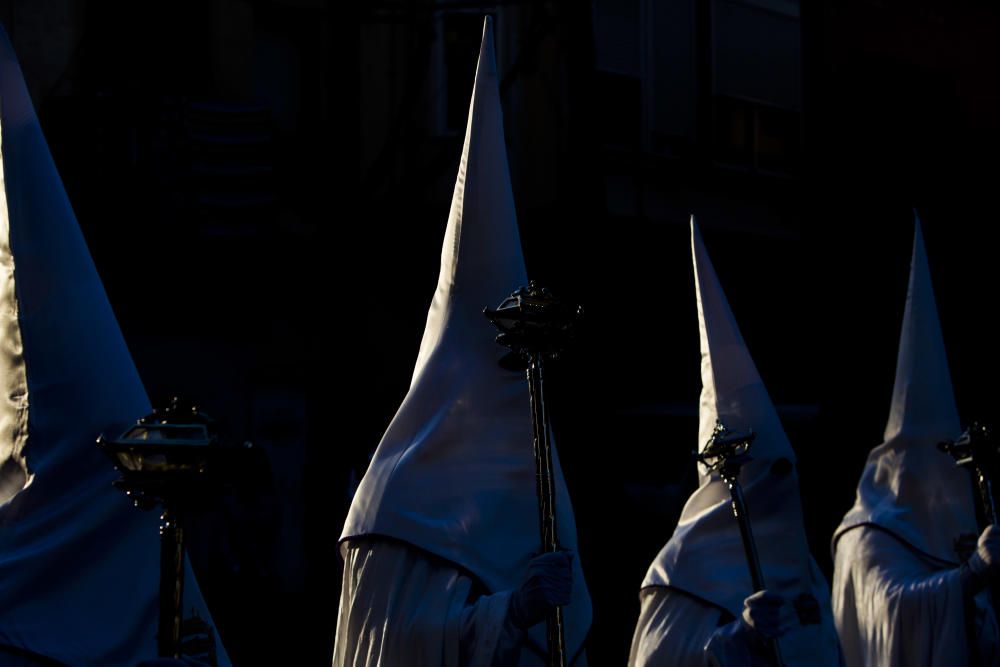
(756, 84)
(755, 136)
(671, 69)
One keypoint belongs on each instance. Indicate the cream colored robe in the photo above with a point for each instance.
(895, 607)
(402, 606)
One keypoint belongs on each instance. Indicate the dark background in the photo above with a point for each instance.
(198, 143)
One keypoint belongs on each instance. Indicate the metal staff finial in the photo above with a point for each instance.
(169, 458)
(726, 453)
(977, 452)
(537, 327)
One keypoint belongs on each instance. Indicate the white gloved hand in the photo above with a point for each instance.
(549, 584)
(985, 560)
(767, 615)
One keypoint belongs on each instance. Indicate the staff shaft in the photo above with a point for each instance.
(545, 487)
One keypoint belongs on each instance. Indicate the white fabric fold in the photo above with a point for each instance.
(433, 621)
(897, 608)
(674, 629)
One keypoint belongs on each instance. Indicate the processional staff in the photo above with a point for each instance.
(536, 327)
(977, 452)
(726, 452)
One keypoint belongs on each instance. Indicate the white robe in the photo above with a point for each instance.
(674, 629)
(895, 607)
(679, 630)
(402, 606)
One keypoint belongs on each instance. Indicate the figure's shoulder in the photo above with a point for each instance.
(384, 551)
(670, 601)
(872, 551)
(867, 536)
(673, 627)
(378, 551)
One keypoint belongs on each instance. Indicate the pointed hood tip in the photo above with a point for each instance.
(923, 399)
(697, 244)
(487, 53)
(732, 389)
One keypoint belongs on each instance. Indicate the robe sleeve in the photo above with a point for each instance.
(673, 629)
(732, 646)
(400, 606)
(681, 630)
(488, 638)
(892, 607)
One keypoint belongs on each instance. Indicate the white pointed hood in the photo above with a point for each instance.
(79, 566)
(908, 486)
(454, 473)
(705, 555)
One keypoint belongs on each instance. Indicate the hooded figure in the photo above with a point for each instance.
(438, 545)
(900, 596)
(698, 605)
(79, 566)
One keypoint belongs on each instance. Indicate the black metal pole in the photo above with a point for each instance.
(171, 584)
(536, 326)
(986, 498)
(749, 547)
(541, 488)
(545, 487)
(974, 451)
(988, 502)
(746, 533)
